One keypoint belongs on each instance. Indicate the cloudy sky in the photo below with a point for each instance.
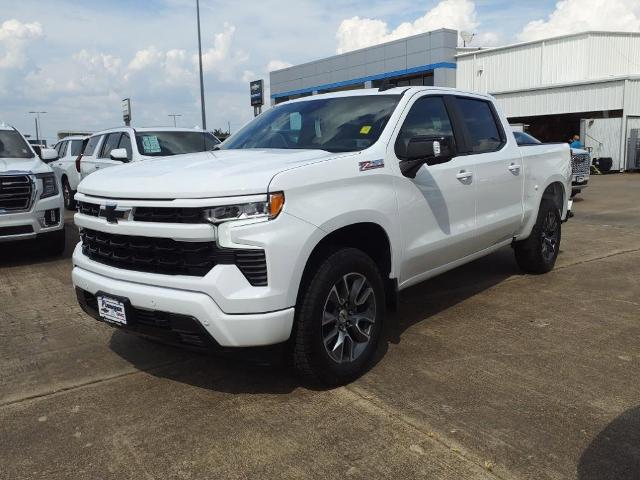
(78, 59)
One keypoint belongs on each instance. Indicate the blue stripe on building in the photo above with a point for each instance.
(355, 81)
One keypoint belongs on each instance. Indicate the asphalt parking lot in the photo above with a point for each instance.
(486, 373)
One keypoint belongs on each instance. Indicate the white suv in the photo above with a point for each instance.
(66, 166)
(30, 199)
(127, 144)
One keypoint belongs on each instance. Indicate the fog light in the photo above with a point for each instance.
(49, 218)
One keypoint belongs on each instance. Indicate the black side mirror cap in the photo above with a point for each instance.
(424, 150)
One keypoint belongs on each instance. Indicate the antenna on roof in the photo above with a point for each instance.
(467, 37)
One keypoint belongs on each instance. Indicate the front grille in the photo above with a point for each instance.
(90, 209)
(151, 214)
(16, 192)
(168, 215)
(580, 164)
(170, 257)
(166, 326)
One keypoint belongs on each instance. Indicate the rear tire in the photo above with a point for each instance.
(53, 243)
(538, 253)
(339, 319)
(575, 192)
(68, 193)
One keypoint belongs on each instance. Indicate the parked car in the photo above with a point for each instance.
(580, 162)
(65, 166)
(31, 205)
(126, 144)
(308, 221)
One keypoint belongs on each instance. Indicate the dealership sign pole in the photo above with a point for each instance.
(256, 91)
(126, 111)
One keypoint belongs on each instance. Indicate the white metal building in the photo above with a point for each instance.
(587, 83)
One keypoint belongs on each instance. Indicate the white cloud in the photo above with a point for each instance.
(359, 32)
(277, 65)
(144, 58)
(248, 76)
(220, 59)
(571, 16)
(14, 39)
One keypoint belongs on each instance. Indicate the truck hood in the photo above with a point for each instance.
(32, 165)
(220, 173)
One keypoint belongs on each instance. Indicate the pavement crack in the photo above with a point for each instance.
(604, 257)
(90, 383)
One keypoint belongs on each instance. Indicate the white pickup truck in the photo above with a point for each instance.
(304, 225)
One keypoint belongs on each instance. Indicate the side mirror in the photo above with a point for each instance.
(119, 154)
(48, 155)
(424, 150)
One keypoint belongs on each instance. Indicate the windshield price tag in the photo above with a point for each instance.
(150, 144)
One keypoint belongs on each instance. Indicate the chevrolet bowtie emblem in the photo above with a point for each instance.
(109, 212)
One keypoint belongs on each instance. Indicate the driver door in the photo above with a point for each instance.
(437, 208)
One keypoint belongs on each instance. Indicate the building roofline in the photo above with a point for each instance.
(365, 48)
(369, 78)
(481, 51)
(617, 78)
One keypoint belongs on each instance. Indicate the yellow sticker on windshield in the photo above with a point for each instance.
(366, 129)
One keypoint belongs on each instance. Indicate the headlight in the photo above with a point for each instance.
(49, 184)
(268, 209)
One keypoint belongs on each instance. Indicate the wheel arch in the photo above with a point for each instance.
(369, 237)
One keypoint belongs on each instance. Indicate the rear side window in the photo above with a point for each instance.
(91, 145)
(484, 134)
(428, 117)
(76, 147)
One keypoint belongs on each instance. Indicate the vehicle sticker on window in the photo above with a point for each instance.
(150, 144)
(365, 129)
(371, 164)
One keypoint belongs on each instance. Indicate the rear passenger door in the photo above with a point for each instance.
(498, 171)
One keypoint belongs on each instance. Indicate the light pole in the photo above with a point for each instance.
(37, 114)
(204, 117)
(174, 115)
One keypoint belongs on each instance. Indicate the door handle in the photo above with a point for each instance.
(97, 167)
(464, 175)
(513, 168)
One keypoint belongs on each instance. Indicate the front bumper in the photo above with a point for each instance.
(26, 225)
(226, 330)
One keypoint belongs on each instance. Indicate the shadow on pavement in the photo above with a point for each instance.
(615, 452)
(29, 252)
(265, 370)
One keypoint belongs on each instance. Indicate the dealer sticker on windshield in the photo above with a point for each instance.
(150, 144)
(371, 164)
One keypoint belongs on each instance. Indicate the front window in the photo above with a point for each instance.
(12, 145)
(160, 144)
(341, 124)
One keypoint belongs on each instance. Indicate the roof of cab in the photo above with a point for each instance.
(147, 129)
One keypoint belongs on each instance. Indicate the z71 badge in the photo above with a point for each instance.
(371, 164)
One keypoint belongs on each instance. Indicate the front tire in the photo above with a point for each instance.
(339, 319)
(538, 253)
(68, 193)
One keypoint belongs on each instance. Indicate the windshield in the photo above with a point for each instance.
(160, 144)
(12, 145)
(343, 124)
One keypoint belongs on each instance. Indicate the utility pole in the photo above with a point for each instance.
(37, 114)
(174, 115)
(204, 117)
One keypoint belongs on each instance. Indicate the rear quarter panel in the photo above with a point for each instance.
(543, 165)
